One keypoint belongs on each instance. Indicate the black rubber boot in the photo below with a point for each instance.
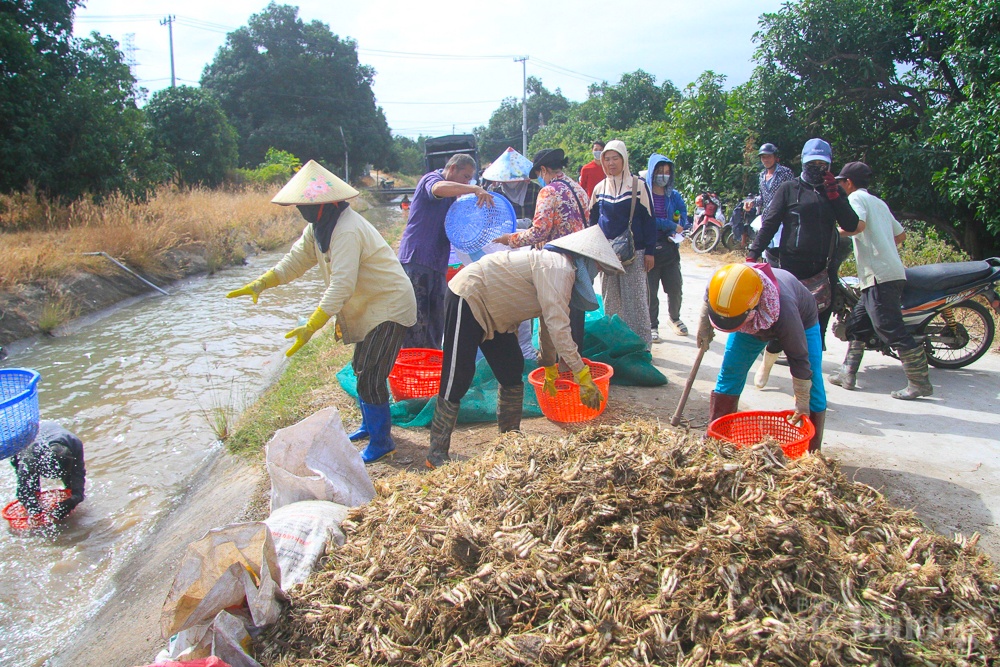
(819, 421)
(847, 377)
(445, 417)
(720, 405)
(510, 403)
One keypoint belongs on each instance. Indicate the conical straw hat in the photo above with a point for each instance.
(314, 185)
(591, 243)
(510, 166)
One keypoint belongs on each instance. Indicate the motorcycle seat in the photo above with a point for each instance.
(940, 277)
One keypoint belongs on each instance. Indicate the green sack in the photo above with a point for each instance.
(610, 341)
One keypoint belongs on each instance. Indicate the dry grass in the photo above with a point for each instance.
(44, 240)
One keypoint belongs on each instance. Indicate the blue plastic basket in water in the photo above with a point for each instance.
(18, 409)
(470, 227)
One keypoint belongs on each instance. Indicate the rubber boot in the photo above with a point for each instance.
(510, 402)
(847, 377)
(764, 372)
(362, 431)
(379, 423)
(445, 417)
(819, 421)
(720, 405)
(918, 382)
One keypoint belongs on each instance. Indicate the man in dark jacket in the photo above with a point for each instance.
(808, 209)
(57, 454)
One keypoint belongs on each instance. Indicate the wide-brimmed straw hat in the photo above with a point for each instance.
(314, 185)
(510, 166)
(591, 243)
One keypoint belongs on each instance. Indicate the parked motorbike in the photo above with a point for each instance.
(938, 309)
(737, 234)
(708, 222)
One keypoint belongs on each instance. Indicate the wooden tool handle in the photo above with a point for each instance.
(676, 419)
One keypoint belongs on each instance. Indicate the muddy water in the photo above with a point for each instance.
(137, 385)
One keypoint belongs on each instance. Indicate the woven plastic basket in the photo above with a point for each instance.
(416, 373)
(745, 429)
(470, 227)
(19, 519)
(18, 409)
(565, 406)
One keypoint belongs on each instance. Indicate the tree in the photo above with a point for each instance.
(634, 100)
(407, 155)
(191, 129)
(504, 128)
(294, 86)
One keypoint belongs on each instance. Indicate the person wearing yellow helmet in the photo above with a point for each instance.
(756, 304)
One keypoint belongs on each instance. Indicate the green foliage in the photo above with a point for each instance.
(70, 124)
(293, 85)
(407, 156)
(190, 128)
(504, 128)
(277, 167)
(923, 245)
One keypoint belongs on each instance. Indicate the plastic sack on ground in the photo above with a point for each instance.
(224, 642)
(301, 533)
(478, 405)
(235, 566)
(314, 460)
(609, 340)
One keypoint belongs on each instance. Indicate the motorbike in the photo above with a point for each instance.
(738, 234)
(708, 223)
(939, 308)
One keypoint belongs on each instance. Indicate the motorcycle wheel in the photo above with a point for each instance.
(729, 239)
(705, 239)
(970, 339)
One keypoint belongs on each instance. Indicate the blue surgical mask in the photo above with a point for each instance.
(662, 180)
(597, 155)
(541, 181)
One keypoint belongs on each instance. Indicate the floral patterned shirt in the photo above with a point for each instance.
(559, 211)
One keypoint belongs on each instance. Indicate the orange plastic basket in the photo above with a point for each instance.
(416, 374)
(565, 406)
(744, 429)
(18, 517)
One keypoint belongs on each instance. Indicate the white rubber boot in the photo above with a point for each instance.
(764, 371)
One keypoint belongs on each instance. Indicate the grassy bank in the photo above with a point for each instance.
(42, 240)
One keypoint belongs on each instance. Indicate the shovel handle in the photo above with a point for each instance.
(676, 419)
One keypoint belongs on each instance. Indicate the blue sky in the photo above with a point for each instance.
(569, 44)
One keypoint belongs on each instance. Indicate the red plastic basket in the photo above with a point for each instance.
(19, 519)
(416, 374)
(565, 406)
(744, 429)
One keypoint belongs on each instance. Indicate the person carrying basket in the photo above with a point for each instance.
(366, 291)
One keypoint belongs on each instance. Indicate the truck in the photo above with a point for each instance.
(438, 150)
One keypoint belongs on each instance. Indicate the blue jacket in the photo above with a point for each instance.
(675, 203)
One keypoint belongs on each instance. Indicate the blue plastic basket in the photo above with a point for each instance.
(18, 409)
(470, 227)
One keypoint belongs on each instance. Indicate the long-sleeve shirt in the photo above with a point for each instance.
(559, 211)
(797, 313)
(55, 453)
(768, 186)
(424, 241)
(610, 210)
(365, 282)
(505, 288)
(591, 174)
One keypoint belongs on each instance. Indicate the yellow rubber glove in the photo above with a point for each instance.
(304, 333)
(590, 395)
(266, 281)
(551, 375)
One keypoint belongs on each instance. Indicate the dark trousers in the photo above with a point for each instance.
(577, 319)
(880, 311)
(373, 360)
(666, 271)
(462, 337)
(429, 288)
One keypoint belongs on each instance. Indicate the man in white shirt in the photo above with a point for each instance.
(883, 278)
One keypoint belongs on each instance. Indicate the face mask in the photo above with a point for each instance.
(662, 180)
(813, 173)
(597, 155)
(541, 181)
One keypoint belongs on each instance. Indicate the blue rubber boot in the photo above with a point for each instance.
(379, 423)
(362, 431)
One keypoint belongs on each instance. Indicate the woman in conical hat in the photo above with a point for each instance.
(366, 291)
(485, 304)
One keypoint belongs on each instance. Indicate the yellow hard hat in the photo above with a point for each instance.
(732, 292)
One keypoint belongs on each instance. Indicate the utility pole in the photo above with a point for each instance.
(347, 172)
(524, 104)
(169, 22)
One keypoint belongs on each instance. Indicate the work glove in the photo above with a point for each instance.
(551, 375)
(706, 333)
(266, 281)
(303, 333)
(802, 389)
(830, 183)
(590, 395)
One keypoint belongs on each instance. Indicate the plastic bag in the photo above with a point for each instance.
(314, 460)
(301, 533)
(224, 642)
